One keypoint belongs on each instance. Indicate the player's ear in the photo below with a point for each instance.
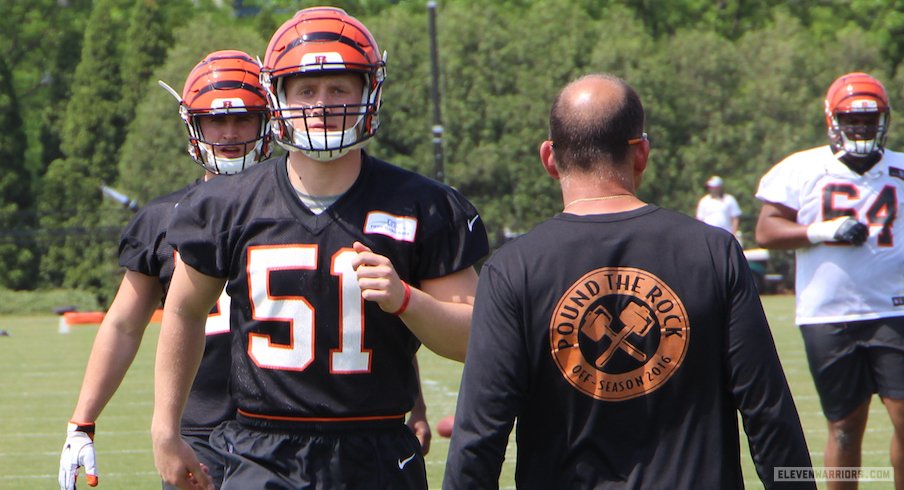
(548, 158)
(641, 154)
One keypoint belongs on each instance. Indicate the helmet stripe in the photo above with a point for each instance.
(230, 57)
(231, 84)
(321, 36)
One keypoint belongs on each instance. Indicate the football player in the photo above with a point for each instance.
(837, 206)
(339, 265)
(225, 111)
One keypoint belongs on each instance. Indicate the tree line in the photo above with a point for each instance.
(729, 87)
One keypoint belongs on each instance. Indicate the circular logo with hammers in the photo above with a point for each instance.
(618, 333)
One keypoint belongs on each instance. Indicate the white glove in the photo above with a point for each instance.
(841, 229)
(78, 451)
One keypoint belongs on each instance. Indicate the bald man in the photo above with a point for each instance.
(623, 337)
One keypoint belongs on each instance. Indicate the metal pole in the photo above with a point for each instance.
(119, 197)
(434, 91)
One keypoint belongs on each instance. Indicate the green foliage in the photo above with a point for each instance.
(496, 91)
(689, 81)
(93, 129)
(729, 18)
(45, 301)
(40, 44)
(147, 40)
(358, 8)
(730, 88)
(81, 249)
(406, 116)
(16, 258)
(93, 126)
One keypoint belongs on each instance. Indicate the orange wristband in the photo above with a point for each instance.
(405, 300)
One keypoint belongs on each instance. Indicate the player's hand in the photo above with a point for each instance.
(78, 451)
(179, 466)
(378, 279)
(842, 229)
(418, 424)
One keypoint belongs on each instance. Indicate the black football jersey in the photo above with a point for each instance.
(143, 248)
(306, 345)
(625, 345)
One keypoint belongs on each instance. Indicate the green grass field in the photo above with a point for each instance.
(42, 371)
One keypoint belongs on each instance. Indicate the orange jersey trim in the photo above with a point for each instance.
(321, 419)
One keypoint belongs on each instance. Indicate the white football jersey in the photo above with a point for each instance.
(718, 212)
(839, 282)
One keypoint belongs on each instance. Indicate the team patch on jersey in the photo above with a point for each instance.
(896, 172)
(402, 228)
(898, 300)
(618, 333)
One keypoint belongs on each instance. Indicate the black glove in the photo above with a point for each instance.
(842, 229)
(852, 231)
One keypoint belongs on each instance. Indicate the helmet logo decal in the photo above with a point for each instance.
(618, 333)
(234, 103)
(864, 105)
(330, 60)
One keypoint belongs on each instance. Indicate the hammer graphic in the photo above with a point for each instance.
(635, 319)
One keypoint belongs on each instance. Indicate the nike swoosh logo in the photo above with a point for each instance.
(472, 221)
(403, 462)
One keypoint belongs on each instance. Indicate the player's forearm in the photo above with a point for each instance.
(179, 352)
(442, 326)
(420, 406)
(181, 344)
(117, 342)
(779, 233)
(113, 352)
(777, 228)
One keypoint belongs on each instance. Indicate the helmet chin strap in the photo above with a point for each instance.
(858, 163)
(327, 155)
(229, 166)
(331, 146)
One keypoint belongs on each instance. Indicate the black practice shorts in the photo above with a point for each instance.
(851, 361)
(206, 455)
(382, 458)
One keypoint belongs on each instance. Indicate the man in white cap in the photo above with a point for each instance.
(717, 208)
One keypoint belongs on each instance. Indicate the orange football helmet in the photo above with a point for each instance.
(224, 83)
(857, 115)
(318, 41)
